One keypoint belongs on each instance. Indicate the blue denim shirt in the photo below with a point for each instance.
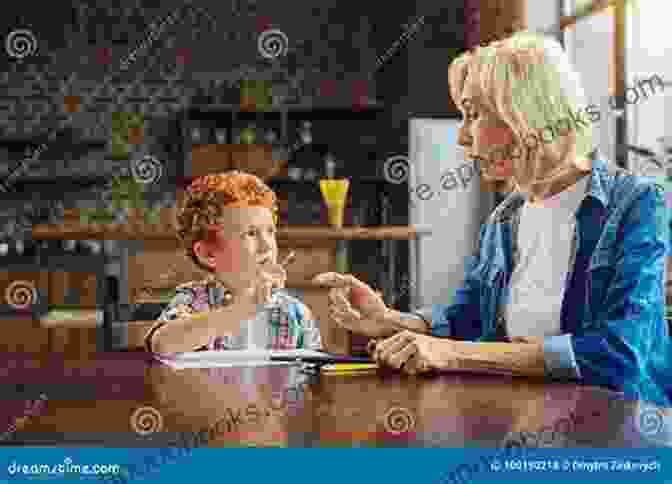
(613, 311)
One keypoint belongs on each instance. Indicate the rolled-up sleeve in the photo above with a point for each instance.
(628, 334)
(465, 307)
(559, 357)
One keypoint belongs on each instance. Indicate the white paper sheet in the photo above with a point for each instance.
(233, 358)
(181, 365)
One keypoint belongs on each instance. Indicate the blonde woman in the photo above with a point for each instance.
(568, 278)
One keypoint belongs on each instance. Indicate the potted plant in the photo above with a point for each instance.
(127, 129)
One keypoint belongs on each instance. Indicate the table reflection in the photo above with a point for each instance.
(281, 406)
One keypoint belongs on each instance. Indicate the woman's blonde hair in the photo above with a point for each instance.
(528, 81)
(205, 198)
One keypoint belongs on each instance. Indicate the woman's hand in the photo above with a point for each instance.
(354, 305)
(414, 353)
(349, 292)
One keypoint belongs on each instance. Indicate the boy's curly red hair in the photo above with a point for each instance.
(208, 195)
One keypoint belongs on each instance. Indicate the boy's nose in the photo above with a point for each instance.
(265, 245)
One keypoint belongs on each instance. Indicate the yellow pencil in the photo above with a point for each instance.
(350, 368)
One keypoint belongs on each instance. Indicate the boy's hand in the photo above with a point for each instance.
(269, 276)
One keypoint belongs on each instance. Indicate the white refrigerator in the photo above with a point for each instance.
(445, 196)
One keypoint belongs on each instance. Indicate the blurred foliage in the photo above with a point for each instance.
(124, 192)
(122, 122)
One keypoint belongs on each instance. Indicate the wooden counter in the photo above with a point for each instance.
(154, 404)
(141, 231)
(161, 265)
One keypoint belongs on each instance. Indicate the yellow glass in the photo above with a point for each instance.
(335, 193)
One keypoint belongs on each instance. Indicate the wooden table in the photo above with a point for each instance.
(277, 406)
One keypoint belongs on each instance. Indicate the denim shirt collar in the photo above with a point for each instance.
(508, 214)
(600, 175)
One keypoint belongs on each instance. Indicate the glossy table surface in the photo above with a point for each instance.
(153, 405)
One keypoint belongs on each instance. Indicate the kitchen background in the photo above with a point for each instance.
(334, 101)
(86, 223)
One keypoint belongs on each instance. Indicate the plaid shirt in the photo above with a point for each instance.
(288, 327)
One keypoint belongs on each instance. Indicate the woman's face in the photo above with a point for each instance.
(240, 244)
(487, 139)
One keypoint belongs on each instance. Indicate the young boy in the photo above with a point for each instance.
(227, 226)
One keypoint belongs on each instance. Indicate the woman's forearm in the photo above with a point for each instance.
(397, 321)
(516, 359)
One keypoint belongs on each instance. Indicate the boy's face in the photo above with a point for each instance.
(240, 244)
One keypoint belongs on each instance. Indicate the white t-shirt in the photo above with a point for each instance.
(537, 284)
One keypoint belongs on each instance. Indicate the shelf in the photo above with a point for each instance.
(294, 111)
(389, 232)
(64, 182)
(284, 180)
(21, 143)
(72, 318)
(156, 232)
(334, 113)
(183, 182)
